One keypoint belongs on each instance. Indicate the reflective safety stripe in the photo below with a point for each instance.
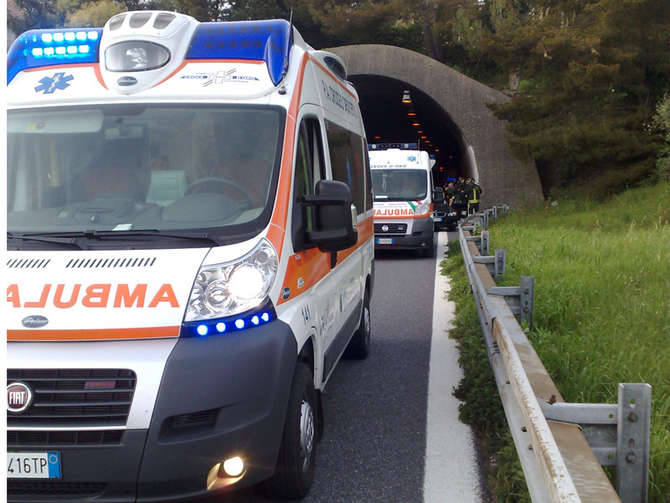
(102, 334)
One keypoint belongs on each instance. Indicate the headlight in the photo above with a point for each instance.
(422, 208)
(231, 288)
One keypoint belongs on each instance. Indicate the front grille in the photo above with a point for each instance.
(53, 487)
(391, 228)
(29, 439)
(75, 397)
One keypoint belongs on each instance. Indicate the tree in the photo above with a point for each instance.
(661, 122)
(586, 75)
(94, 13)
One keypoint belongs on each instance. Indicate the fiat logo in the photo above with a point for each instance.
(385, 228)
(19, 397)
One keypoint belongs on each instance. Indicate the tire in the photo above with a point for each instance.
(359, 345)
(294, 473)
(430, 251)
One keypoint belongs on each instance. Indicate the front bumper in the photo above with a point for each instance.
(220, 396)
(420, 238)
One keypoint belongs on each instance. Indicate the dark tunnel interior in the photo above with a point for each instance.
(389, 118)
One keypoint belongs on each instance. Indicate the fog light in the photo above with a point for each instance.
(233, 467)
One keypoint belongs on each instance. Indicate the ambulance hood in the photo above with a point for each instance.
(99, 295)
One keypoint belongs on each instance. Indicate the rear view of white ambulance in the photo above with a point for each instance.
(190, 234)
(403, 198)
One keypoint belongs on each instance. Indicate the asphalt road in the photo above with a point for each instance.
(374, 444)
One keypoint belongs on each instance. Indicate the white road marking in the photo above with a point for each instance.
(451, 473)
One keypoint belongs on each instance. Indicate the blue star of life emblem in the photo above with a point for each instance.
(49, 84)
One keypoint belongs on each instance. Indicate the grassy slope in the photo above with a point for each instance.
(602, 303)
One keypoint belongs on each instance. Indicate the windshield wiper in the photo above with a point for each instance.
(140, 233)
(154, 233)
(65, 241)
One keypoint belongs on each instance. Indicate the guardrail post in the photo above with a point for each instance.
(494, 212)
(484, 248)
(485, 220)
(527, 288)
(499, 269)
(632, 463)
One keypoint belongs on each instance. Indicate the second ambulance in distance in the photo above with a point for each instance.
(402, 183)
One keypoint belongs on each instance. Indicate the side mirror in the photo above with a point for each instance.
(438, 195)
(335, 216)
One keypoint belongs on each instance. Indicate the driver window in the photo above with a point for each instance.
(309, 169)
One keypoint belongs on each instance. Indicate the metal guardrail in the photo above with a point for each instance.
(561, 446)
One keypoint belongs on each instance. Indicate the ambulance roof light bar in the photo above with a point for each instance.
(268, 41)
(40, 48)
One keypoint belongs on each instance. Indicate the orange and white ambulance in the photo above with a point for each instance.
(402, 183)
(190, 234)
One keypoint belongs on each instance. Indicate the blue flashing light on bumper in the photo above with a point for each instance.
(231, 324)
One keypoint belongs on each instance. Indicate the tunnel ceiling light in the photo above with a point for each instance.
(378, 137)
(411, 114)
(437, 150)
(420, 132)
(406, 97)
(424, 137)
(416, 124)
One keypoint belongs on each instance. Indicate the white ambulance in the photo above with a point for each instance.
(190, 234)
(402, 184)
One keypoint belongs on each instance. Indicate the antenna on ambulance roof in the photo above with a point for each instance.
(288, 48)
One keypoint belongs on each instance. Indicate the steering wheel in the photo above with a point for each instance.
(245, 203)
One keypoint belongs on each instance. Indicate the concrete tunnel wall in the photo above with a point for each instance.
(503, 177)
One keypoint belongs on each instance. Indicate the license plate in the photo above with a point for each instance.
(384, 241)
(437, 219)
(33, 465)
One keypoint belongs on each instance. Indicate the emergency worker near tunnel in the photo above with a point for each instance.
(473, 192)
(450, 193)
(460, 200)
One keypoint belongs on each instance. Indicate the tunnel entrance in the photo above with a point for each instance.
(454, 113)
(397, 112)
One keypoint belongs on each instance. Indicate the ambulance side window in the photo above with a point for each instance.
(347, 161)
(309, 169)
(368, 178)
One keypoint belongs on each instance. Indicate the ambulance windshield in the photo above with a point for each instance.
(140, 167)
(399, 184)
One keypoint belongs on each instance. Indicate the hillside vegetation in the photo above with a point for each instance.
(602, 313)
(585, 77)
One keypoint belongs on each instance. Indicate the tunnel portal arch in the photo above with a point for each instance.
(480, 136)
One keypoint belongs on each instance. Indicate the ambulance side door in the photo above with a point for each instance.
(346, 279)
(310, 167)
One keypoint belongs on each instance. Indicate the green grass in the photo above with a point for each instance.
(602, 300)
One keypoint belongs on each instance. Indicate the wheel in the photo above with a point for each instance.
(359, 345)
(430, 251)
(295, 464)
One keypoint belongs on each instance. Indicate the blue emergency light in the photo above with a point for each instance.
(268, 41)
(219, 326)
(39, 48)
